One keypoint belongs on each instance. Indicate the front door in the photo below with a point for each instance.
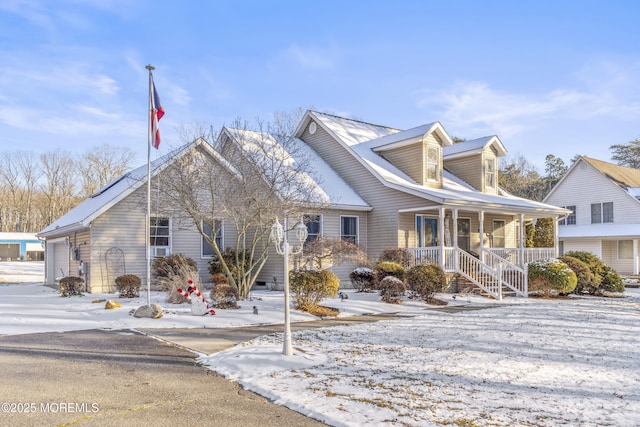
(427, 231)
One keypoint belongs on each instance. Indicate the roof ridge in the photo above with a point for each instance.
(356, 120)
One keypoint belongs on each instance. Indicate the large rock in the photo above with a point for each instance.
(153, 311)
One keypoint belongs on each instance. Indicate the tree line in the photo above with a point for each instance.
(35, 189)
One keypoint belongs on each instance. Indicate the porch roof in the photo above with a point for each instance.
(631, 231)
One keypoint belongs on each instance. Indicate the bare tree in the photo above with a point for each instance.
(58, 187)
(520, 177)
(247, 178)
(100, 164)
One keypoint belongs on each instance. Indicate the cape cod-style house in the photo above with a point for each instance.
(385, 187)
(604, 200)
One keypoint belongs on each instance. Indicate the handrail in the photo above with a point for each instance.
(513, 277)
(480, 274)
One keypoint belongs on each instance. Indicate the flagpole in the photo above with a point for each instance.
(148, 215)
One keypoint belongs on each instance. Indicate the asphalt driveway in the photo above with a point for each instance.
(121, 378)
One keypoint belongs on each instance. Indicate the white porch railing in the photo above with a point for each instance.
(512, 276)
(528, 254)
(496, 271)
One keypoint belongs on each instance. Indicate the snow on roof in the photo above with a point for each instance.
(353, 132)
(81, 216)
(329, 186)
(474, 146)
(18, 236)
(359, 136)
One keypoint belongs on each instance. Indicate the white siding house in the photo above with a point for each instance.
(605, 205)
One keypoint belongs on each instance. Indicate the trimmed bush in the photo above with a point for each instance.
(551, 276)
(128, 285)
(388, 268)
(71, 286)
(362, 279)
(611, 280)
(392, 289)
(224, 295)
(586, 279)
(309, 287)
(399, 255)
(606, 278)
(425, 280)
(174, 272)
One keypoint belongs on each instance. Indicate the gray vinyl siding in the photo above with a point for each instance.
(123, 227)
(383, 219)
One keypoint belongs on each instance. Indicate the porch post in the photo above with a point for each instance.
(481, 231)
(441, 234)
(455, 239)
(521, 242)
(635, 257)
(556, 238)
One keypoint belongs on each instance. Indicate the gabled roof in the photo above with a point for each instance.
(627, 179)
(623, 176)
(81, 216)
(474, 146)
(328, 185)
(358, 138)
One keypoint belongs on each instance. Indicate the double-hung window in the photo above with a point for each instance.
(159, 236)
(349, 228)
(601, 213)
(433, 163)
(207, 248)
(490, 173)
(571, 218)
(314, 227)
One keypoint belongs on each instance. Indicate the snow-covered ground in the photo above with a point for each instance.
(523, 362)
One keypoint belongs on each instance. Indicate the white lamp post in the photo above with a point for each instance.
(279, 237)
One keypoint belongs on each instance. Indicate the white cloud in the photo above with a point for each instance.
(312, 58)
(600, 91)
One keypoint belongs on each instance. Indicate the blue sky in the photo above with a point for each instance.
(548, 77)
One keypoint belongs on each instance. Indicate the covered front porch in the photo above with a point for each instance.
(488, 247)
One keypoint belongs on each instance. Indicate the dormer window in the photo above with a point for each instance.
(490, 173)
(433, 163)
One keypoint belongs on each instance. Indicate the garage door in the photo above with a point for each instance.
(9, 251)
(60, 260)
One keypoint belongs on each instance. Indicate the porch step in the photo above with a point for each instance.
(465, 286)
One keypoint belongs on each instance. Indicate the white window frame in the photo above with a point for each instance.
(219, 237)
(622, 250)
(503, 236)
(312, 236)
(490, 173)
(158, 251)
(350, 238)
(433, 164)
(571, 218)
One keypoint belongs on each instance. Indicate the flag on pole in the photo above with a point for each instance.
(157, 111)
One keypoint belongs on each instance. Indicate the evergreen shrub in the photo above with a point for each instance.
(551, 276)
(424, 280)
(309, 287)
(362, 279)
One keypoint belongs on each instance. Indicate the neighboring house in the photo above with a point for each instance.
(383, 187)
(21, 247)
(604, 200)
